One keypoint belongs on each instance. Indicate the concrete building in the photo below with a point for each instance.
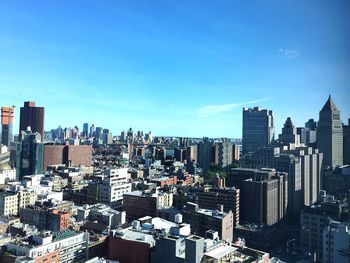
(32, 116)
(7, 115)
(192, 153)
(29, 154)
(303, 166)
(310, 132)
(115, 184)
(101, 213)
(228, 197)
(7, 173)
(8, 203)
(205, 154)
(223, 153)
(258, 128)
(289, 134)
(265, 197)
(330, 134)
(336, 243)
(202, 220)
(45, 218)
(346, 142)
(64, 247)
(313, 220)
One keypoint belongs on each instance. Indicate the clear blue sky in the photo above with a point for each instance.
(179, 67)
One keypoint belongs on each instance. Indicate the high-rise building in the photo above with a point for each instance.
(29, 154)
(86, 130)
(205, 154)
(32, 116)
(289, 134)
(346, 142)
(330, 134)
(310, 132)
(258, 128)
(265, 197)
(223, 153)
(7, 114)
(92, 130)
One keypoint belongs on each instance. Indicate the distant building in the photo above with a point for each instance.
(85, 130)
(330, 134)
(32, 116)
(223, 153)
(310, 132)
(7, 115)
(205, 154)
(289, 134)
(70, 155)
(258, 128)
(115, 183)
(29, 154)
(346, 142)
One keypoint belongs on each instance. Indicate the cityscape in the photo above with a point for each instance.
(175, 132)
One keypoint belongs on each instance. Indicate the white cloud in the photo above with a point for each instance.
(216, 109)
(289, 53)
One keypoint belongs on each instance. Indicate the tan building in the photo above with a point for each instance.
(8, 204)
(26, 197)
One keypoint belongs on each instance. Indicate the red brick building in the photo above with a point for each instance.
(72, 155)
(128, 250)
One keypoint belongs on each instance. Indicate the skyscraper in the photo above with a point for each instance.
(330, 134)
(289, 134)
(32, 116)
(86, 130)
(258, 128)
(29, 154)
(7, 114)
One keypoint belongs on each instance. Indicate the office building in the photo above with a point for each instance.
(29, 154)
(85, 130)
(289, 134)
(336, 242)
(115, 183)
(228, 197)
(7, 115)
(205, 154)
(223, 153)
(32, 116)
(330, 135)
(258, 128)
(202, 220)
(303, 166)
(310, 132)
(265, 197)
(346, 142)
(8, 203)
(69, 155)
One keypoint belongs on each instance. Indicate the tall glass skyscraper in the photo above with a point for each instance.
(29, 154)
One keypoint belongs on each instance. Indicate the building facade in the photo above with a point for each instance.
(32, 116)
(330, 134)
(258, 128)
(7, 115)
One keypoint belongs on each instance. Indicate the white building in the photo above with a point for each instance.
(6, 173)
(8, 204)
(116, 182)
(336, 243)
(71, 245)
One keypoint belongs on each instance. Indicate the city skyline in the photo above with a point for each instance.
(177, 69)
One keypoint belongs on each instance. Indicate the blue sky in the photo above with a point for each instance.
(183, 68)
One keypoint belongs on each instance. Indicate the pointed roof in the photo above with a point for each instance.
(330, 105)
